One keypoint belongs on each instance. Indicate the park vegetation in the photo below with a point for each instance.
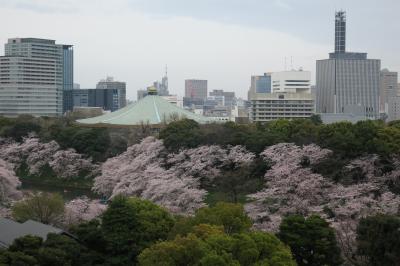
(281, 193)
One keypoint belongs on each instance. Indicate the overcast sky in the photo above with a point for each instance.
(223, 41)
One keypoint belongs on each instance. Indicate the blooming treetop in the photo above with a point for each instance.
(36, 154)
(172, 180)
(9, 183)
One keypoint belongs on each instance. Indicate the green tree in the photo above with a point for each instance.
(311, 240)
(129, 225)
(378, 239)
(21, 129)
(231, 216)
(209, 245)
(43, 207)
(17, 258)
(235, 183)
(181, 134)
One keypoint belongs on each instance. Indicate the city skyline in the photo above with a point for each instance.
(226, 50)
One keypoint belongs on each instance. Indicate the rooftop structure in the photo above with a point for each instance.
(11, 230)
(152, 109)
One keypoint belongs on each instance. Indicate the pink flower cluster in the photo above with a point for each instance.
(36, 155)
(294, 189)
(9, 183)
(82, 209)
(147, 170)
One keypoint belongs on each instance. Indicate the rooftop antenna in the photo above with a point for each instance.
(166, 70)
(285, 64)
(291, 62)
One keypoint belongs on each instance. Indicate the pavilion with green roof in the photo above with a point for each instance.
(152, 110)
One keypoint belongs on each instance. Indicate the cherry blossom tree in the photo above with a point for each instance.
(36, 155)
(172, 180)
(9, 183)
(294, 189)
(82, 209)
(69, 163)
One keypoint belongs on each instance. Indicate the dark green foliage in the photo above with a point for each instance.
(98, 143)
(311, 240)
(345, 139)
(181, 134)
(20, 130)
(56, 250)
(236, 183)
(128, 226)
(378, 239)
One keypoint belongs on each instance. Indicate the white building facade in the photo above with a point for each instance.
(290, 98)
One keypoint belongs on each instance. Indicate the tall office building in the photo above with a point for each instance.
(289, 97)
(34, 73)
(110, 95)
(113, 92)
(195, 88)
(347, 82)
(388, 89)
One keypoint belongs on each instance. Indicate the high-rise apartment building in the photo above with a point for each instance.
(289, 97)
(347, 80)
(34, 73)
(195, 88)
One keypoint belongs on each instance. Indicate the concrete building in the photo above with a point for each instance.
(34, 74)
(271, 106)
(291, 81)
(290, 97)
(196, 89)
(347, 79)
(388, 89)
(394, 109)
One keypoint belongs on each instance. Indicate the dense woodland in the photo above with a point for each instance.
(281, 193)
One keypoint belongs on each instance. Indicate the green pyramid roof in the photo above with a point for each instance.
(152, 109)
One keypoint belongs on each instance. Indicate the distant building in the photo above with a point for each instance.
(227, 97)
(394, 109)
(34, 76)
(347, 80)
(291, 81)
(289, 97)
(271, 106)
(196, 89)
(388, 89)
(111, 94)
